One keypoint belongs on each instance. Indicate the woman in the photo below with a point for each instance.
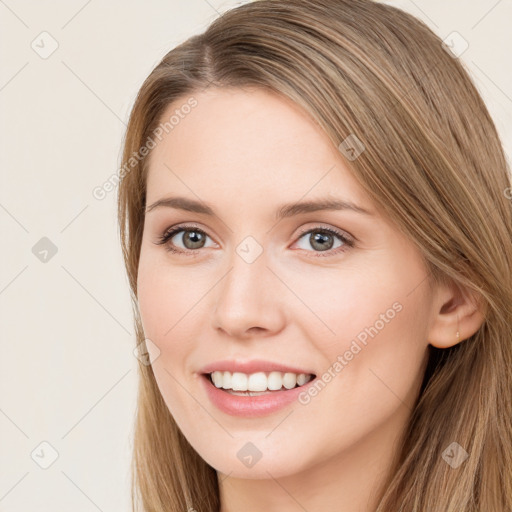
(315, 222)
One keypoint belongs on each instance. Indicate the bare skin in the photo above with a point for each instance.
(246, 153)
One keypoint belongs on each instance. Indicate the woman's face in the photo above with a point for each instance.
(248, 283)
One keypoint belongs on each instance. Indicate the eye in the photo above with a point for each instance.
(192, 238)
(321, 238)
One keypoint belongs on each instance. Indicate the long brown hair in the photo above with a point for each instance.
(433, 162)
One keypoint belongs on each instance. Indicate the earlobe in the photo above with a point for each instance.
(458, 314)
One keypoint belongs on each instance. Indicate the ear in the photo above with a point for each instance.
(455, 310)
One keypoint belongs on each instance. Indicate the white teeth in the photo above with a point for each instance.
(259, 381)
(225, 380)
(256, 382)
(302, 379)
(275, 381)
(289, 380)
(239, 382)
(217, 379)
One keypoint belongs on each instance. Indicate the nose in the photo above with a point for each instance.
(248, 302)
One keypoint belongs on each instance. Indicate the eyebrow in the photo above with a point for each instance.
(286, 210)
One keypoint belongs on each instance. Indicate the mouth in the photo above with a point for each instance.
(259, 383)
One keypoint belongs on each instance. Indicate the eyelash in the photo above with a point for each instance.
(348, 243)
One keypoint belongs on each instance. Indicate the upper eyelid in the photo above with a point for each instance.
(331, 229)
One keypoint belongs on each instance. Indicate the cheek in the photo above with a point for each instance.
(373, 365)
(166, 302)
(166, 298)
(171, 305)
(373, 321)
(340, 303)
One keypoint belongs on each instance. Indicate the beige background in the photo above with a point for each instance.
(67, 372)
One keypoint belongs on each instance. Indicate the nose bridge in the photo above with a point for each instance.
(246, 298)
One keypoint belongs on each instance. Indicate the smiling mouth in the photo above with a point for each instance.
(274, 384)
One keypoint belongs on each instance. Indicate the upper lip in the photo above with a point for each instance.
(252, 366)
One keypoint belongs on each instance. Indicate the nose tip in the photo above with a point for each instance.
(246, 304)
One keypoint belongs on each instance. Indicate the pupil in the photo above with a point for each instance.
(320, 238)
(194, 238)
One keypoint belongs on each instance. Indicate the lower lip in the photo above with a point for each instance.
(251, 406)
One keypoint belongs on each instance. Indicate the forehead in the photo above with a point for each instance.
(246, 145)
